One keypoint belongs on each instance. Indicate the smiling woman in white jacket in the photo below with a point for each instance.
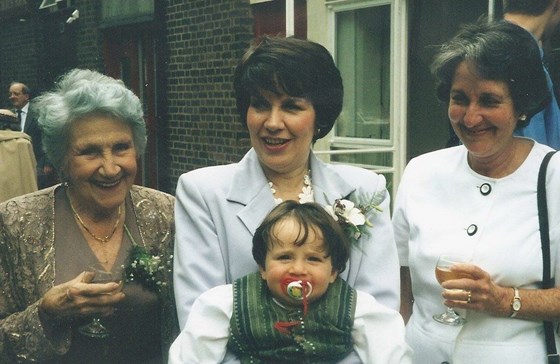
(480, 200)
(289, 93)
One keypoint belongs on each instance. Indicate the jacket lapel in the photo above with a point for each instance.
(29, 120)
(43, 249)
(250, 188)
(328, 184)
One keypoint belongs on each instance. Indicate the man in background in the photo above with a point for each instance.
(540, 18)
(20, 96)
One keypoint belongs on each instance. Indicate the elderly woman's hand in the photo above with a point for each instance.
(78, 298)
(478, 293)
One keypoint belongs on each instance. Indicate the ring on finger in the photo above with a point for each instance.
(469, 297)
(70, 298)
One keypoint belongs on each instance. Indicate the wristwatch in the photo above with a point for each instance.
(516, 303)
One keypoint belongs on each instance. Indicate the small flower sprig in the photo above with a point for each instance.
(354, 217)
(149, 268)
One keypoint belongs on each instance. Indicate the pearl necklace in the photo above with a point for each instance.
(306, 194)
(103, 239)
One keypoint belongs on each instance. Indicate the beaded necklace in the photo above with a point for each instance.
(306, 194)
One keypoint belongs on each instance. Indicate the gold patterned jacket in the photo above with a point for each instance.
(27, 269)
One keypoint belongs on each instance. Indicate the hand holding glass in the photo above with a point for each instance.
(95, 328)
(444, 273)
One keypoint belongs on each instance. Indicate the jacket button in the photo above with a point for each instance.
(472, 229)
(485, 189)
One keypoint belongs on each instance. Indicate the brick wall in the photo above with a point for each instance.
(19, 55)
(39, 49)
(201, 44)
(205, 38)
(89, 38)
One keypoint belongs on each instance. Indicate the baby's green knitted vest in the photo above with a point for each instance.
(324, 336)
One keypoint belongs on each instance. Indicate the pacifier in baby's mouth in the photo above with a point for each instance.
(297, 289)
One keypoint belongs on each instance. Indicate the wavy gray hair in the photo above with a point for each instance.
(78, 94)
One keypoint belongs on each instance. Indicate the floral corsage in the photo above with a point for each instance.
(150, 268)
(354, 216)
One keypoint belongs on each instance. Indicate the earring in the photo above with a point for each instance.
(318, 131)
(523, 117)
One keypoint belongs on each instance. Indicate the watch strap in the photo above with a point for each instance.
(515, 303)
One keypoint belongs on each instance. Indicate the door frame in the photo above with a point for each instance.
(129, 55)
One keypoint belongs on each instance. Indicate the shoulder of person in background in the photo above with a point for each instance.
(8, 120)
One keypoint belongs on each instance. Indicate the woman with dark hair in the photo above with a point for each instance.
(478, 201)
(72, 289)
(289, 94)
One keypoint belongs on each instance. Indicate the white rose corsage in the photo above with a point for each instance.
(354, 217)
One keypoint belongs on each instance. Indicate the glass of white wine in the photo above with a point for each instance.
(95, 328)
(444, 273)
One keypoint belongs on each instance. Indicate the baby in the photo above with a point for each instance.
(295, 308)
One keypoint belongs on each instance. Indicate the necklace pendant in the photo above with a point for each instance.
(100, 239)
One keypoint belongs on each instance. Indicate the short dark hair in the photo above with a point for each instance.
(498, 51)
(295, 67)
(310, 217)
(528, 7)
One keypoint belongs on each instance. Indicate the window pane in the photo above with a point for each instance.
(363, 57)
(369, 160)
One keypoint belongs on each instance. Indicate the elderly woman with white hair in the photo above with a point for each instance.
(73, 288)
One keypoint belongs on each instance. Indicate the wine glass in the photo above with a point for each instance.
(95, 328)
(444, 273)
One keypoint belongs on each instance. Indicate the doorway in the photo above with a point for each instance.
(129, 55)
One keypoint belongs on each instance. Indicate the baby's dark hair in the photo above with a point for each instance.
(310, 217)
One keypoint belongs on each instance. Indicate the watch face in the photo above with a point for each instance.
(516, 305)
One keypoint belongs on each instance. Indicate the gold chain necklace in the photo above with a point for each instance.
(102, 240)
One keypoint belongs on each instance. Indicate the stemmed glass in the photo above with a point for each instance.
(444, 273)
(95, 328)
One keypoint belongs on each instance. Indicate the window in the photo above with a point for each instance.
(362, 55)
(272, 18)
(369, 47)
(391, 114)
